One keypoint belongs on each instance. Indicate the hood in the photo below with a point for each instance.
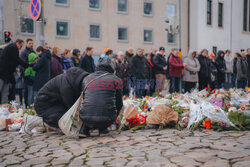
(218, 55)
(106, 64)
(191, 51)
(75, 51)
(75, 76)
(32, 57)
(47, 54)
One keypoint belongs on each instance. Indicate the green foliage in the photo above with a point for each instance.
(238, 119)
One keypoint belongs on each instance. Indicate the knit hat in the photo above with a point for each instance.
(106, 64)
(106, 50)
(161, 48)
(211, 55)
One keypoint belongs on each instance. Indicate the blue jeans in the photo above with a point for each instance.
(174, 84)
(241, 84)
(234, 80)
(228, 80)
(31, 95)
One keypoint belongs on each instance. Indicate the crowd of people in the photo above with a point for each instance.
(145, 73)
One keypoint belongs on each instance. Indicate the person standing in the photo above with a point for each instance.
(221, 67)
(242, 71)
(9, 60)
(87, 62)
(56, 63)
(122, 71)
(29, 76)
(141, 71)
(191, 72)
(42, 68)
(213, 72)
(229, 69)
(235, 70)
(151, 84)
(25, 57)
(175, 71)
(66, 60)
(129, 54)
(204, 73)
(160, 68)
(248, 61)
(76, 57)
(19, 79)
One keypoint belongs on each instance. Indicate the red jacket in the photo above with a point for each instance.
(175, 66)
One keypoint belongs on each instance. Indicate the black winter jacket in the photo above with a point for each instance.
(248, 61)
(25, 54)
(159, 62)
(221, 67)
(9, 60)
(102, 99)
(205, 68)
(140, 67)
(58, 95)
(87, 64)
(128, 58)
(43, 70)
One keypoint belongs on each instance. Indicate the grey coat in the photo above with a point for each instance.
(192, 65)
(242, 69)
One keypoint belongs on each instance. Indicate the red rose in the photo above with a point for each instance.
(243, 108)
(229, 105)
(205, 88)
(210, 89)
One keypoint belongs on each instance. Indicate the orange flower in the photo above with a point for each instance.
(146, 97)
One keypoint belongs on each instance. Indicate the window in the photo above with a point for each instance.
(122, 34)
(62, 2)
(122, 6)
(148, 36)
(209, 12)
(171, 11)
(94, 4)
(220, 15)
(148, 9)
(94, 31)
(245, 13)
(62, 29)
(215, 50)
(27, 25)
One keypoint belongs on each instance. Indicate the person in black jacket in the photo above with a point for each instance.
(248, 61)
(42, 68)
(142, 72)
(55, 99)
(204, 73)
(160, 68)
(87, 62)
(75, 58)
(102, 99)
(221, 67)
(9, 60)
(25, 57)
(213, 77)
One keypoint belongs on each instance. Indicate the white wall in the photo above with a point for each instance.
(206, 36)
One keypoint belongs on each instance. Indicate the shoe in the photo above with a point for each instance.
(83, 132)
(104, 132)
(31, 122)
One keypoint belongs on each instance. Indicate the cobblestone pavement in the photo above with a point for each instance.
(141, 148)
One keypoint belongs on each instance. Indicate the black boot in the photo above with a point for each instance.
(84, 132)
(103, 132)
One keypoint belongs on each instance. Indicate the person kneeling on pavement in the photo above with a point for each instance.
(55, 99)
(102, 99)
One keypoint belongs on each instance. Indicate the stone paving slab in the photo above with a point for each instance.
(151, 148)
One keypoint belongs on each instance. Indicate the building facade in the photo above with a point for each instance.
(117, 24)
(219, 25)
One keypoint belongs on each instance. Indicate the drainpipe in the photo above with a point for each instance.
(231, 27)
(179, 20)
(188, 25)
(2, 20)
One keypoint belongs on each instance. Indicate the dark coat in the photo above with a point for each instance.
(122, 69)
(87, 64)
(242, 69)
(221, 67)
(56, 66)
(159, 62)
(102, 100)
(128, 57)
(9, 60)
(248, 61)
(58, 95)
(25, 54)
(205, 68)
(43, 70)
(140, 67)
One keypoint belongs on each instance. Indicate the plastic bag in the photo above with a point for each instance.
(70, 123)
(162, 114)
(130, 112)
(199, 111)
(2, 122)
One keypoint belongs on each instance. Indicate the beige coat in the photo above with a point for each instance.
(192, 65)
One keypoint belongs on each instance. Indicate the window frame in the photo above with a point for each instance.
(95, 39)
(117, 8)
(171, 43)
(62, 36)
(148, 42)
(222, 14)
(120, 40)
(168, 17)
(61, 4)
(26, 33)
(210, 12)
(95, 9)
(148, 15)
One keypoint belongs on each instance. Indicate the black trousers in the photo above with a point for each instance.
(188, 86)
(203, 82)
